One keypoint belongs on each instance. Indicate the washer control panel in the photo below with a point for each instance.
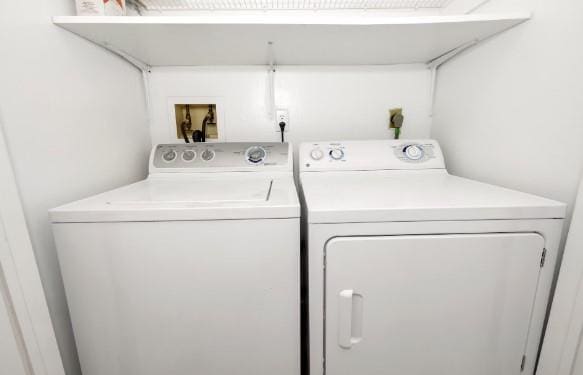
(371, 155)
(193, 157)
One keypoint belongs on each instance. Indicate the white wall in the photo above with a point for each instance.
(75, 124)
(324, 103)
(510, 111)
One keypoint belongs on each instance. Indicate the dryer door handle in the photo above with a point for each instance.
(349, 318)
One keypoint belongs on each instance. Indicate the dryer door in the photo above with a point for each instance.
(435, 304)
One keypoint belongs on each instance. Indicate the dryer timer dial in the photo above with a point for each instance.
(413, 152)
(336, 154)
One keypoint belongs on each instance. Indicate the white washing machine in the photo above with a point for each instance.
(413, 271)
(194, 270)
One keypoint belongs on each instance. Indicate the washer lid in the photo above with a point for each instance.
(177, 193)
(428, 195)
(192, 197)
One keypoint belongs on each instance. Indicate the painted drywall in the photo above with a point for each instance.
(324, 103)
(510, 111)
(75, 122)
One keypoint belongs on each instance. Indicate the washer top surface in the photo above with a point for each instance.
(227, 186)
(401, 184)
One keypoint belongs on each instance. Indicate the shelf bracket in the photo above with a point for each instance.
(477, 6)
(132, 60)
(143, 67)
(271, 81)
(432, 87)
(434, 64)
(440, 60)
(146, 82)
(437, 62)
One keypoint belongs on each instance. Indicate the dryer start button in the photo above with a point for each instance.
(317, 154)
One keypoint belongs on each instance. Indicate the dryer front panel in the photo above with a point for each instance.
(430, 304)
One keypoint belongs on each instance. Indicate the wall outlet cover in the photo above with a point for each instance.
(282, 115)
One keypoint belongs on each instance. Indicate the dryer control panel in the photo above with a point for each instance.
(371, 155)
(210, 157)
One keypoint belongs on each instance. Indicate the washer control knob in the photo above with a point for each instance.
(208, 155)
(414, 152)
(336, 154)
(188, 155)
(317, 154)
(255, 155)
(169, 156)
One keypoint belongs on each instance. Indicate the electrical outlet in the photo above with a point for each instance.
(281, 115)
(395, 118)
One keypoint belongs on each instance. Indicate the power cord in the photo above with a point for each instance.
(282, 127)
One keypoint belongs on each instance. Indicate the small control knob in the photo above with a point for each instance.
(188, 155)
(207, 155)
(169, 156)
(255, 155)
(317, 154)
(336, 154)
(413, 152)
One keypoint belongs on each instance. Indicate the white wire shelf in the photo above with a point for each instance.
(189, 5)
(355, 39)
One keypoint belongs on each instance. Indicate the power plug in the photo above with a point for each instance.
(396, 121)
(281, 115)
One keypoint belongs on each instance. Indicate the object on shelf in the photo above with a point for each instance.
(101, 7)
(176, 5)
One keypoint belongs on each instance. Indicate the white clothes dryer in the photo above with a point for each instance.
(413, 271)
